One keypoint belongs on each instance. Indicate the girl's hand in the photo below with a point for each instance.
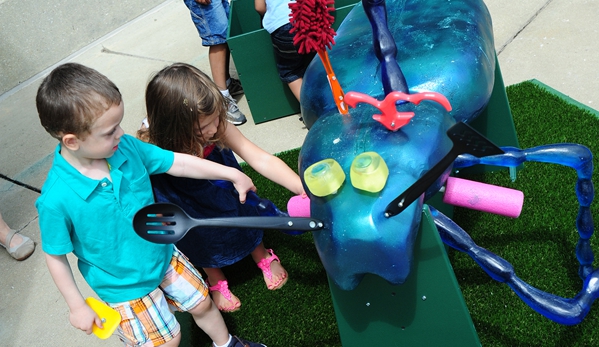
(203, 2)
(298, 189)
(83, 318)
(243, 184)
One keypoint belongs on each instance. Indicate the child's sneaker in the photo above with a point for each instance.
(237, 342)
(234, 115)
(235, 87)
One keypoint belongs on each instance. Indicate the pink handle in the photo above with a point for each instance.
(483, 197)
(298, 206)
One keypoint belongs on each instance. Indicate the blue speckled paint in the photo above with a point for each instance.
(443, 46)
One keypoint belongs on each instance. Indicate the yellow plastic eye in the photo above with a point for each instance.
(369, 172)
(324, 177)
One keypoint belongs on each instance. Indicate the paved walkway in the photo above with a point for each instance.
(553, 41)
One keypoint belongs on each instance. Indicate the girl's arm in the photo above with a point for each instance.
(260, 6)
(186, 165)
(81, 315)
(263, 162)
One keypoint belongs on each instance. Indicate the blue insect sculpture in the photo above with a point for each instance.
(433, 61)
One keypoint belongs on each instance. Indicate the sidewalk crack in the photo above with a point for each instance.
(109, 51)
(24, 185)
(532, 18)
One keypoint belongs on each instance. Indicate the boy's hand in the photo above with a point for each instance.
(84, 318)
(243, 184)
(81, 316)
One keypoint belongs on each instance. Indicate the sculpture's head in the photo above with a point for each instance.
(358, 238)
(450, 51)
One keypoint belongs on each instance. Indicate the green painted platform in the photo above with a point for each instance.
(427, 310)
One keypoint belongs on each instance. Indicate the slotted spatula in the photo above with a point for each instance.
(465, 140)
(168, 223)
(265, 207)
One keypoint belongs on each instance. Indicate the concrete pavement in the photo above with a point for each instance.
(553, 41)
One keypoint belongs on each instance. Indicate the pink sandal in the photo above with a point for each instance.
(223, 288)
(264, 265)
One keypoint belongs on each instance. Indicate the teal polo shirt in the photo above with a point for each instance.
(93, 219)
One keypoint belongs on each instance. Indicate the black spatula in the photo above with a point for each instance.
(465, 140)
(168, 223)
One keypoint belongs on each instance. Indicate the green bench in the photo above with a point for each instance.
(268, 97)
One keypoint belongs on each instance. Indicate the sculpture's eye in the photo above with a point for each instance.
(369, 172)
(324, 177)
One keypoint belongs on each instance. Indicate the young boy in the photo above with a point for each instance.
(211, 19)
(291, 64)
(98, 181)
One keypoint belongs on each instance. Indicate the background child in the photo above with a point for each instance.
(98, 180)
(290, 63)
(211, 18)
(186, 113)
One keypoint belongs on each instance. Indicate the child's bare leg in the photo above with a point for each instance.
(218, 57)
(222, 301)
(279, 274)
(296, 87)
(209, 319)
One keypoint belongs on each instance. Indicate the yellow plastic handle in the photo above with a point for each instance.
(109, 316)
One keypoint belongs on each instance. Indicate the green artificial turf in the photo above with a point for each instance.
(540, 244)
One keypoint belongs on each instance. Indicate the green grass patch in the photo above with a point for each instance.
(540, 244)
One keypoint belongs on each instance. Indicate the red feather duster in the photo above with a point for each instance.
(311, 23)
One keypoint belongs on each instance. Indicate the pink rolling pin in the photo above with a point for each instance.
(458, 192)
(483, 197)
(298, 206)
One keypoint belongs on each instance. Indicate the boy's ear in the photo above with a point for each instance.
(70, 141)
